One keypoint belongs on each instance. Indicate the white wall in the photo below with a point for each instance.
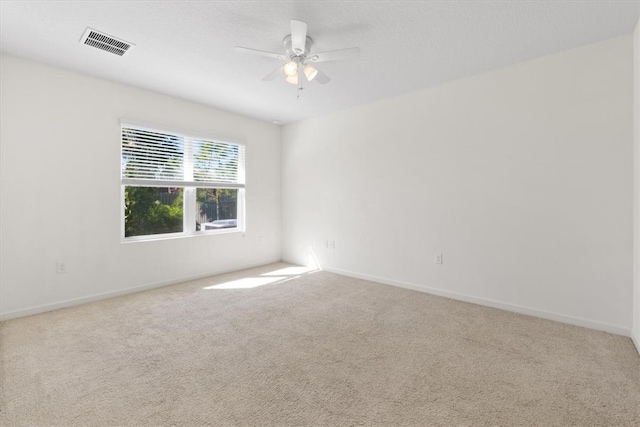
(60, 191)
(636, 192)
(522, 177)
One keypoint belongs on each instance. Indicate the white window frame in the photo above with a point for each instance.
(188, 186)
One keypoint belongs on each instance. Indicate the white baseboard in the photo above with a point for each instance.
(421, 288)
(111, 294)
(635, 337)
(491, 303)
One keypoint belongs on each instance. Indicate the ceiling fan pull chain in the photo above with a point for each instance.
(300, 88)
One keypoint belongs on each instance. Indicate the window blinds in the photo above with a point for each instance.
(154, 158)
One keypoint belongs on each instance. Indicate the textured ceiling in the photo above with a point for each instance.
(185, 48)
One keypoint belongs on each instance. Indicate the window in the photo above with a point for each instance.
(174, 184)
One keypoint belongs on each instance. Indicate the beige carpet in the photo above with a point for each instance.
(318, 349)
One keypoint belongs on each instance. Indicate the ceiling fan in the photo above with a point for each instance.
(299, 58)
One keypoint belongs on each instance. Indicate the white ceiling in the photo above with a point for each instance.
(185, 49)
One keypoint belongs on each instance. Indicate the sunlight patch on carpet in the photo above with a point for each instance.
(247, 283)
(291, 271)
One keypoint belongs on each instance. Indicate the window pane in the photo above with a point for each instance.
(152, 210)
(152, 155)
(216, 161)
(216, 208)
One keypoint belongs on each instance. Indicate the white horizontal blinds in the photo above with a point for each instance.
(149, 155)
(218, 162)
(156, 158)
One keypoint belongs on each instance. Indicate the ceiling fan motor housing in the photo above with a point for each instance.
(286, 42)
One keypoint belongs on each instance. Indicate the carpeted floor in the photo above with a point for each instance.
(308, 349)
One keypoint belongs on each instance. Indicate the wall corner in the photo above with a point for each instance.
(635, 330)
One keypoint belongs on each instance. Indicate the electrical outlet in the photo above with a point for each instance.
(438, 259)
(333, 244)
(61, 267)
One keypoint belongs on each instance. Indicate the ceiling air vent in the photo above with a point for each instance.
(103, 41)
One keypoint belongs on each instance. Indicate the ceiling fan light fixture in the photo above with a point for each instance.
(310, 72)
(292, 79)
(290, 68)
(297, 59)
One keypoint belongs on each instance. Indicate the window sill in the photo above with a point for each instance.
(174, 236)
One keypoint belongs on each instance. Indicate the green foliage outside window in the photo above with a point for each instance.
(146, 213)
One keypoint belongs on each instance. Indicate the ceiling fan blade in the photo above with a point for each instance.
(275, 73)
(322, 78)
(261, 53)
(335, 55)
(298, 36)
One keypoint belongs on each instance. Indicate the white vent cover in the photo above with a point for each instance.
(105, 42)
